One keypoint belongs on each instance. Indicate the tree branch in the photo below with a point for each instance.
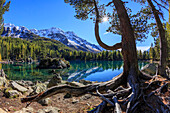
(158, 4)
(90, 11)
(109, 4)
(114, 47)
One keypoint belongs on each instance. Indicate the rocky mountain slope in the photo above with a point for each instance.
(68, 38)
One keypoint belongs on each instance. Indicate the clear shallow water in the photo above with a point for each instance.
(88, 70)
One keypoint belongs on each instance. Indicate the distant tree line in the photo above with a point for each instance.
(19, 49)
(16, 48)
(104, 55)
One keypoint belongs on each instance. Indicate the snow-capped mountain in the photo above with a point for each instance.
(68, 38)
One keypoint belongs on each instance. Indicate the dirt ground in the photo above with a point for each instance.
(69, 105)
(72, 105)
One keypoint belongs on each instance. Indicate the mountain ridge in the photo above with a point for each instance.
(69, 38)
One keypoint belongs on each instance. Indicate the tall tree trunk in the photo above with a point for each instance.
(163, 40)
(128, 40)
(127, 44)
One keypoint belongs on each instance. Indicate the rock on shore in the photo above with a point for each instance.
(53, 63)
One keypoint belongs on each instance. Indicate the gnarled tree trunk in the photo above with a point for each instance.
(128, 44)
(128, 40)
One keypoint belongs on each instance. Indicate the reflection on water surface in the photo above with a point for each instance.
(88, 70)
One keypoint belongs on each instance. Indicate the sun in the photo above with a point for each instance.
(105, 19)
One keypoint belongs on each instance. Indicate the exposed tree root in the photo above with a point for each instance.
(77, 91)
(140, 97)
(99, 108)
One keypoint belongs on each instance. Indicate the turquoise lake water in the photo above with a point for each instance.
(88, 70)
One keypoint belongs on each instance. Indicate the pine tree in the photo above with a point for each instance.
(3, 8)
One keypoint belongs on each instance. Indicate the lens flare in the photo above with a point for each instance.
(105, 19)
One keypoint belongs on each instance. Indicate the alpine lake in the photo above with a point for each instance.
(100, 71)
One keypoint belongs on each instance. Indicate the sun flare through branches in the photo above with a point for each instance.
(105, 19)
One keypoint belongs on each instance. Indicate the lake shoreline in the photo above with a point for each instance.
(13, 90)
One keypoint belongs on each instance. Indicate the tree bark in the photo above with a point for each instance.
(128, 44)
(163, 40)
(128, 40)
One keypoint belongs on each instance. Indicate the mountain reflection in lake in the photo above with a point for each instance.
(95, 70)
(88, 70)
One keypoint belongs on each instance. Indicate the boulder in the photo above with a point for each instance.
(53, 63)
(150, 69)
(11, 93)
(3, 81)
(44, 102)
(18, 87)
(38, 88)
(25, 83)
(26, 110)
(49, 109)
(55, 80)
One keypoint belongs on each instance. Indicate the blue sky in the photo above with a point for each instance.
(42, 14)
